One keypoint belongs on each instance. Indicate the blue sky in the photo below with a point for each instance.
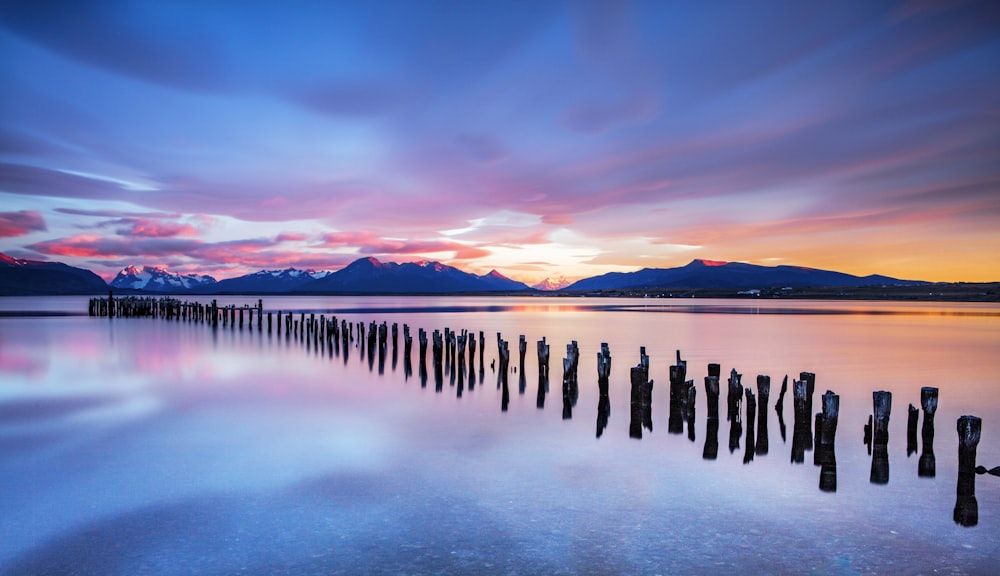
(538, 138)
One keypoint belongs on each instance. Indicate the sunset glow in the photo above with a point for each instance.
(541, 139)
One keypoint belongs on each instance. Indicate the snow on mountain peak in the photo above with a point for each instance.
(550, 284)
(158, 279)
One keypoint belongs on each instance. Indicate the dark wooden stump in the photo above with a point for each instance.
(966, 506)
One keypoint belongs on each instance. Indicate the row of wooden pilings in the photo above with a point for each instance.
(174, 309)
(454, 354)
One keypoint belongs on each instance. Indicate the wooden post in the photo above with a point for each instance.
(763, 395)
(751, 447)
(912, 416)
(638, 380)
(678, 396)
(966, 506)
(543, 358)
(826, 433)
(929, 403)
(882, 409)
(603, 399)
(927, 465)
(735, 396)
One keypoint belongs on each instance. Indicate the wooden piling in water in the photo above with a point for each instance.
(750, 449)
(763, 395)
(966, 506)
(912, 418)
(882, 409)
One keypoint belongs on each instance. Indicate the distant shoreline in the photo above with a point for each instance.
(951, 292)
(944, 292)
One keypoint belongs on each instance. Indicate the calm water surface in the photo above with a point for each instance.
(133, 446)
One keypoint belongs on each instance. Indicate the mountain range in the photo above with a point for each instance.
(728, 275)
(371, 276)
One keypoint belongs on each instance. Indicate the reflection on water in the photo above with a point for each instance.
(238, 425)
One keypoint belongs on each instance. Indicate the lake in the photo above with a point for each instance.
(148, 446)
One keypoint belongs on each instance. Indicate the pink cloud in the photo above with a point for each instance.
(291, 237)
(370, 243)
(20, 223)
(155, 229)
(92, 245)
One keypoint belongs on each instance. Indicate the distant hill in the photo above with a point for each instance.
(370, 276)
(728, 275)
(263, 282)
(154, 279)
(37, 278)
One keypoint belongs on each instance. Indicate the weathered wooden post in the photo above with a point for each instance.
(966, 506)
(779, 407)
(927, 464)
(912, 416)
(712, 390)
(472, 358)
(929, 403)
(751, 448)
(522, 347)
(603, 377)
(802, 430)
(826, 435)
(422, 355)
(437, 345)
(882, 409)
(735, 395)
(482, 350)
(502, 375)
(543, 358)
(763, 395)
(638, 380)
(810, 379)
(680, 395)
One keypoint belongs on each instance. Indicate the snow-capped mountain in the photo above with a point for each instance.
(155, 279)
(370, 276)
(550, 284)
(265, 281)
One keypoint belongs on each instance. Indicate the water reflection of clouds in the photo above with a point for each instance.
(25, 365)
(257, 417)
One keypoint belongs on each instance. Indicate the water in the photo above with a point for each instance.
(133, 446)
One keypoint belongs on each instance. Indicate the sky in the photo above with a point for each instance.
(542, 139)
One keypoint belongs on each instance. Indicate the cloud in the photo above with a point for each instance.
(116, 213)
(372, 244)
(20, 223)
(291, 237)
(150, 228)
(91, 246)
(124, 38)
